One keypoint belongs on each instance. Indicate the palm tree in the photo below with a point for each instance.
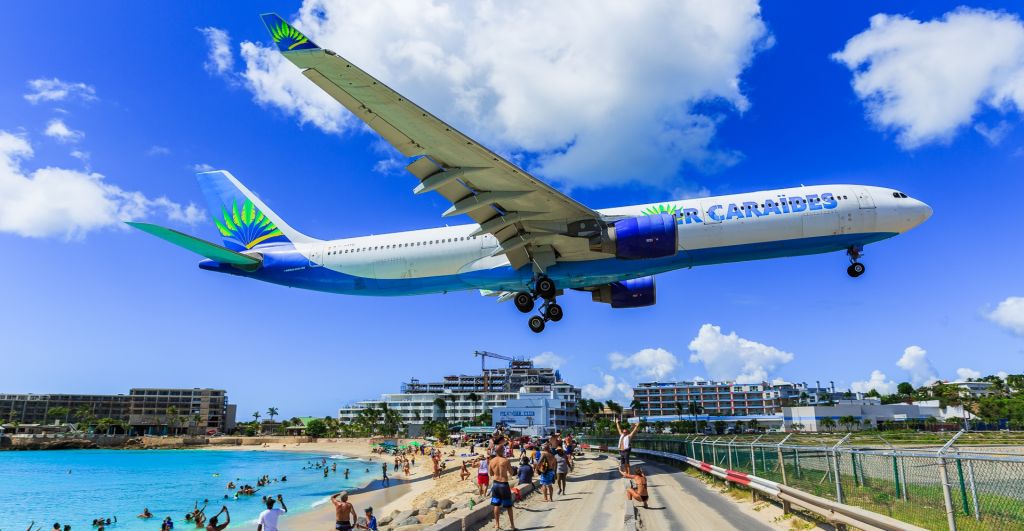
(271, 412)
(828, 423)
(442, 406)
(848, 421)
(196, 418)
(637, 407)
(695, 409)
(679, 411)
(56, 413)
(474, 398)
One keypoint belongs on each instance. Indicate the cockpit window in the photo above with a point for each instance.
(899, 195)
(903, 195)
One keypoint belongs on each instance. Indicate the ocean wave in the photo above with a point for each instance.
(339, 456)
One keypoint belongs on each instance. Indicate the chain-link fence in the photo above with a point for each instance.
(938, 487)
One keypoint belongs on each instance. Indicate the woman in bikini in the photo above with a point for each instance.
(639, 493)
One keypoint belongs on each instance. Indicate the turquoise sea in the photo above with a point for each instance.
(75, 486)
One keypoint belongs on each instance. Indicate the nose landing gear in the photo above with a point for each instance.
(544, 288)
(856, 268)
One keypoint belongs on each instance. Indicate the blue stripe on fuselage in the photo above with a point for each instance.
(290, 268)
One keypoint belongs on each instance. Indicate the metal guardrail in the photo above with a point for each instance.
(944, 488)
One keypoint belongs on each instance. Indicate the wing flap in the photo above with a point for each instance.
(201, 247)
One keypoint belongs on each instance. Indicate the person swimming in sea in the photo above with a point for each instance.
(145, 513)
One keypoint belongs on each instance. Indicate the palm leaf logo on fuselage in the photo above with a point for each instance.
(286, 33)
(661, 209)
(246, 224)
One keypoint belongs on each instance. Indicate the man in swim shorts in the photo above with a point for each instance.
(501, 493)
(344, 514)
(546, 467)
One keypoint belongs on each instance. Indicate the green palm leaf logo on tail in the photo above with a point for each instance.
(246, 224)
(286, 33)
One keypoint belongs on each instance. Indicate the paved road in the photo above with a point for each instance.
(594, 501)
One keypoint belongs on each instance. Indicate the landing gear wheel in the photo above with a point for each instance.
(537, 324)
(553, 312)
(855, 270)
(524, 302)
(546, 288)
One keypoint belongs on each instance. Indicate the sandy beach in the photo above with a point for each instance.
(404, 492)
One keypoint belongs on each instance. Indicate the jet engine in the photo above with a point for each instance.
(642, 237)
(634, 293)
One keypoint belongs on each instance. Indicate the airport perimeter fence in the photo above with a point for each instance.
(936, 488)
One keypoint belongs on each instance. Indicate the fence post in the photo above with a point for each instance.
(728, 448)
(753, 460)
(782, 461)
(947, 496)
(974, 490)
(835, 459)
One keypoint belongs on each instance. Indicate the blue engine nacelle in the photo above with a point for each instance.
(634, 293)
(646, 237)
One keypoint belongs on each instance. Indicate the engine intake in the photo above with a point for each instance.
(642, 237)
(635, 293)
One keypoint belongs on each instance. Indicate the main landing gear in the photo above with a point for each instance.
(856, 268)
(544, 288)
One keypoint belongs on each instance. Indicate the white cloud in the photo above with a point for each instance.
(915, 361)
(654, 363)
(925, 80)
(53, 201)
(201, 167)
(549, 359)
(57, 90)
(994, 134)
(599, 92)
(730, 357)
(1009, 314)
(963, 373)
(609, 386)
(876, 381)
(56, 128)
(158, 150)
(219, 60)
(81, 155)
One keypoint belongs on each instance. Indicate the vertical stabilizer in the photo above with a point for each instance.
(242, 219)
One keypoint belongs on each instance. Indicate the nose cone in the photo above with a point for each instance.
(922, 211)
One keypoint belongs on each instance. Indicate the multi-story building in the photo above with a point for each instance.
(657, 399)
(146, 411)
(466, 397)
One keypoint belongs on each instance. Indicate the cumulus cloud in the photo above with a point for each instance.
(154, 151)
(1009, 314)
(876, 381)
(963, 373)
(730, 357)
(67, 203)
(654, 363)
(56, 90)
(201, 167)
(57, 129)
(915, 361)
(925, 80)
(597, 93)
(549, 359)
(609, 386)
(219, 59)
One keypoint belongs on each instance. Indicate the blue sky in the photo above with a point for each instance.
(756, 103)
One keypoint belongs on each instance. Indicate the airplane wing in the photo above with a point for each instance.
(533, 222)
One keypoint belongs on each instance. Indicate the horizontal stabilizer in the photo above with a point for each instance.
(201, 247)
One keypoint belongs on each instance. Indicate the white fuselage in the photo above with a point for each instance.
(730, 228)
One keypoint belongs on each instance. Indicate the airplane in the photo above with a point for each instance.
(529, 242)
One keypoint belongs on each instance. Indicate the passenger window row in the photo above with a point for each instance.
(399, 245)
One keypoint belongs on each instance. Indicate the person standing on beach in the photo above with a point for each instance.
(546, 468)
(561, 470)
(268, 518)
(436, 458)
(344, 514)
(384, 473)
(501, 494)
(624, 447)
(483, 480)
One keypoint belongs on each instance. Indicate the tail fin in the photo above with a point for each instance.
(242, 219)
(285, 36)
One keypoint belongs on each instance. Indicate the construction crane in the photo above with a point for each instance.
(483, 356)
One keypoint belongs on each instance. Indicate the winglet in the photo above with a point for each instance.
(285, 36)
